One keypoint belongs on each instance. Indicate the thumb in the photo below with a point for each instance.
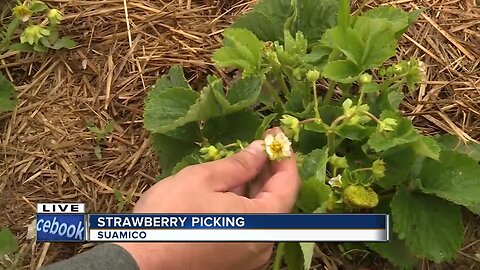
(242, 167)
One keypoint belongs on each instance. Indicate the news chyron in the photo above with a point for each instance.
(61, 222)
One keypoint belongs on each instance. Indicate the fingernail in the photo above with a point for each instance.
(256, 148)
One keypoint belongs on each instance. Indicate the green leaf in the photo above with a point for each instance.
(272, 14)
(355, 132)
(244, 90)
(455, 177)
(118, 196)
(343, 71)
(8, 99)
(229, 128)
(241, 49)
(8, 242)
(163, 108)
(64, 42)
(313, 192)
(314, 17)
(300, 95)
(318, 56)
(398, 164)
(378, 39)
(307, 251)
(294, 256)
(173, 79)
(451, 142)
(171, 151)
(474, 208)
(395, 251)
(21, 47)
(397, 17)
(430, 226)
(402, 134)
(170, 108)
(427, 146)
(371, 87)
(264, 125)
(37, 6)
(185, 162)
(346, 41)
(385, 101)
(314, 165)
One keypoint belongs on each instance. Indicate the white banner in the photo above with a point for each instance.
(243, 235)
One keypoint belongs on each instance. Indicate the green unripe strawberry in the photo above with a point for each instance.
(360, 197)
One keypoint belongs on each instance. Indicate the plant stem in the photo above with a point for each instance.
(315, 99)
(272, 90)
(331, 133)
(279, 78)
(331, 142)
(278, 256)
(373, 117)
(343, 14)
(361, 170)
(329, 95)
(12, 27)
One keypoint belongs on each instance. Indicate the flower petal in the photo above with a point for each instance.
(268, 139)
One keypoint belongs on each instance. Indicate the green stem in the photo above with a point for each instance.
(272, 90)
(373, 117)
(361, 170)
(278, 256)
(331, 134)
(315, 99)
(279, 78)
(331, 142)
(329, 95)
(12, 27)
(343, 14)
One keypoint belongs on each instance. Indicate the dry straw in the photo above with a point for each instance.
(47, 152)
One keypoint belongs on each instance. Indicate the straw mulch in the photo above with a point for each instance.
(47, 152)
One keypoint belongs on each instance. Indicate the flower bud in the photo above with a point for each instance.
(290, 126)
(387, 124)
(338, 162)
(313, 75)
(210, 153)
(360, 197)
(33, 33)
(54, 16)
(397, 69)
(364, 78)
(378, 168)
(22, 12)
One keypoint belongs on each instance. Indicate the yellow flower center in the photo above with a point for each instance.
(276, 148)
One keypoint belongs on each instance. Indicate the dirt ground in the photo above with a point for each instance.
(47, 152)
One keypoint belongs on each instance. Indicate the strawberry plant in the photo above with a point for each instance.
(35, 36)
(325, 76)
(8, 98)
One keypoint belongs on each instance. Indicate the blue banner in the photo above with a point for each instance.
(61, 228)
(238, 221)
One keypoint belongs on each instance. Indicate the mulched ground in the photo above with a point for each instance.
(47, 151)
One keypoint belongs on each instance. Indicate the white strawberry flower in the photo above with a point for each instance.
(336, 181)
(277, 147)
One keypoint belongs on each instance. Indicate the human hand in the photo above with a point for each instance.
(218, 187)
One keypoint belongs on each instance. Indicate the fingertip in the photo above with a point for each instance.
(256, 148)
